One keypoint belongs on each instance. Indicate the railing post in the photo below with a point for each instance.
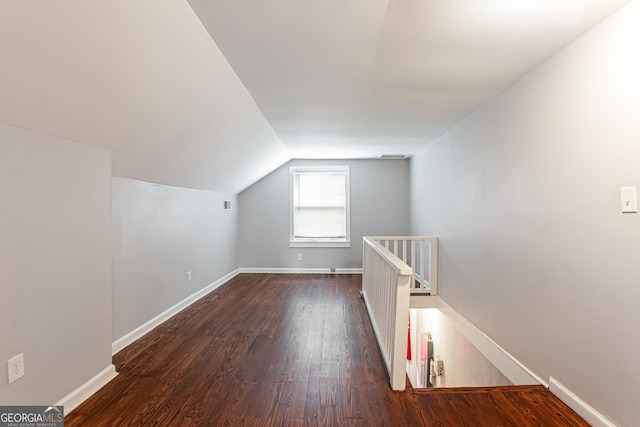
(433, 265)
(413, 262)
(399, 370)
(423, 274)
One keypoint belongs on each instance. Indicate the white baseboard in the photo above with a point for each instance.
(72, 400)
(590, 415)
(301, 270)
(141, 330)
(506, 363)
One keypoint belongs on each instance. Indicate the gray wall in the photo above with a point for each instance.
(160, 233)
(379, 200)
(55, 264)
(524, 196)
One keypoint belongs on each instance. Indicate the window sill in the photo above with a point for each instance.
(316, 243)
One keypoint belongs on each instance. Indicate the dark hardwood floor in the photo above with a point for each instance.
(288, 350)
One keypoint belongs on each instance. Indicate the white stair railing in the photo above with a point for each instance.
(421, 254)
(386, 293)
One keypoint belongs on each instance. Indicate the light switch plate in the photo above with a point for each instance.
(629, 199)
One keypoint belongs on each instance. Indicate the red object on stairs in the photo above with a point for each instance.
(409, 340)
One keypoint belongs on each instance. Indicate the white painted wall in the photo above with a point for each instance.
(524, 197)
(55, 264)
(160, 233)
(464, 364)
(379, 200)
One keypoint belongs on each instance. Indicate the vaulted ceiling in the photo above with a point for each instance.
(215, 94)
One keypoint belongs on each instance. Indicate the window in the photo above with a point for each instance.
(319, 206)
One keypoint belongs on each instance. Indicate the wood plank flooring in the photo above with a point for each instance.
(288, 350)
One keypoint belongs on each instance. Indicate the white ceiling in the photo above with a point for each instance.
(218, 98)
(360, 78)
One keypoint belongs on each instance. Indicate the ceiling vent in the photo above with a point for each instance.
(394, 156)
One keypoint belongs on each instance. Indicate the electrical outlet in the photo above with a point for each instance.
(16, 367)
(189, 276)
(299, 257)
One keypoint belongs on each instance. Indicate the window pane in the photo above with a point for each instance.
(324, 189)
(319, 205)
(320, 222)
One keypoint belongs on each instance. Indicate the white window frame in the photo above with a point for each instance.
(323, 242)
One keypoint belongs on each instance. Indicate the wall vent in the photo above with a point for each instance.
(227, 205)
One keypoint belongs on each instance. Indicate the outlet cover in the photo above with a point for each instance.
(16, 367)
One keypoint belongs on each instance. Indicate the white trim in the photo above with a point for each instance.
(506, 363)
(423, 301)
(302, 270)
(138, 332)
(590, 415)
(301, 243)
(72, 400)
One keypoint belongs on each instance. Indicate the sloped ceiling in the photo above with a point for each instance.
(215, 94)
(142, 78)
(361, 78)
